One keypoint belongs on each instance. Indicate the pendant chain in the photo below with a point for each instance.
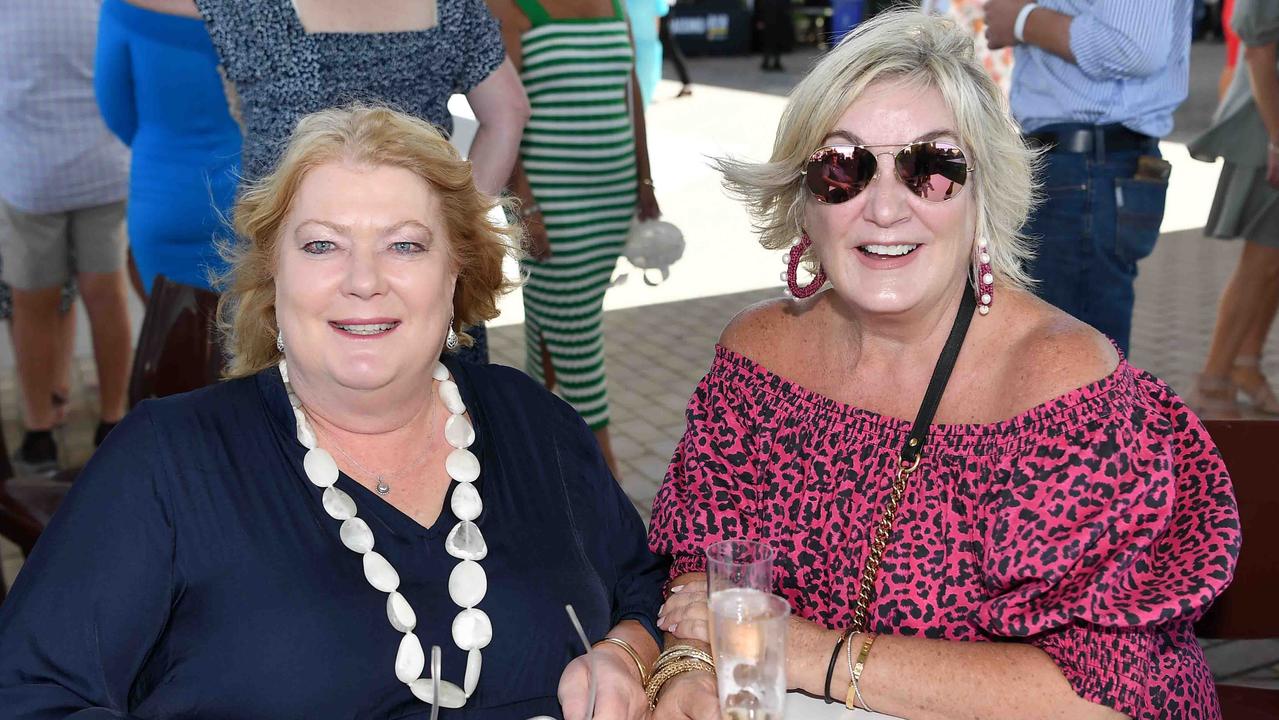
(382, 480)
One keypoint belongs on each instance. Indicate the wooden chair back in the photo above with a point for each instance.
(27, 503)
(178, 347)
(1249, 608)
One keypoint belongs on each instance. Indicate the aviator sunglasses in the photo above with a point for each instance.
(935, 171)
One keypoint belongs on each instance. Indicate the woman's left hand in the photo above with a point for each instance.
(646, 207)
(618, 693)
(686, 613)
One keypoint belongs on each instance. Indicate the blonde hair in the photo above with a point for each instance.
(908, 47)
(362, 136)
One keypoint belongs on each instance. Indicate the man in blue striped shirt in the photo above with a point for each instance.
(1096, 83)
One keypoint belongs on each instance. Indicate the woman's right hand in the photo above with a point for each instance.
(535, 239)
(688, 696)
(619, 694)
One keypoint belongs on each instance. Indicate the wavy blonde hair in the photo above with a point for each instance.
(909, 47)
(360, 136)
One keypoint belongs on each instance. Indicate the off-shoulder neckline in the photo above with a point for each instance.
(1092, 401)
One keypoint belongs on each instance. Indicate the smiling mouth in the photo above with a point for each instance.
(366, 329)
(887, 251)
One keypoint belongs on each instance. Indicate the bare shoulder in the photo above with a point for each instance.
(768, 331)
(1055, 353)
(509, 16)
(755, 327)
(183, 8)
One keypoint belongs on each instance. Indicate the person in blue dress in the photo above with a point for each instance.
(644, 16)
(157, 84)
(290, 543)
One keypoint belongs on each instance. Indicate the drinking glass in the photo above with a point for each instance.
(748, 638)
(732, 564)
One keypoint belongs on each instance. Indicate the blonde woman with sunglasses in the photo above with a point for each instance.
(979, 508)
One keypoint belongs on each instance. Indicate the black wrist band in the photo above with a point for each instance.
(830, 671)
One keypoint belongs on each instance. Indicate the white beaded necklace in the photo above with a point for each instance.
(472, 630)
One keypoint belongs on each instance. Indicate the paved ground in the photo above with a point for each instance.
(660, 340)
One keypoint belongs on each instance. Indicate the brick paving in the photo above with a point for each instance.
(660, 340)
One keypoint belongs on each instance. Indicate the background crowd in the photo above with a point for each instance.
(154, 100)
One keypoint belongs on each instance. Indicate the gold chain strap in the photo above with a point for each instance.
(866, 593)
(910, 458)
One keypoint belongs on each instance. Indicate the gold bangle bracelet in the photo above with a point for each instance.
(661, 676)
(682, 652)
(639, 664)
(850, 698)
(854, 698)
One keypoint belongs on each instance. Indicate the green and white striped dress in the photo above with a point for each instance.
(579, 154)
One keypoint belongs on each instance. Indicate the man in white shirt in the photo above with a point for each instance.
(63, 183)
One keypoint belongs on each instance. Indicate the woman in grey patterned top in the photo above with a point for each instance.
(287, 61)
(289, 58)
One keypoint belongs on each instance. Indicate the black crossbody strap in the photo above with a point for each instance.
(941, 375)
(910, 457)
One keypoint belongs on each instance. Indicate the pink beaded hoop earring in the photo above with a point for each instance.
(985, 278)
(793, 288)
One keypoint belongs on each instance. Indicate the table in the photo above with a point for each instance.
(803, 707)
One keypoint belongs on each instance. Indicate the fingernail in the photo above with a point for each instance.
(661, 620)
(677, 588)
(661, 610)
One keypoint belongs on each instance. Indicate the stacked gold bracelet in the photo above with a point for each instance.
(674, 661)
(639, 664)
(683, 652)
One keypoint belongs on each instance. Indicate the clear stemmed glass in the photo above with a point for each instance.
(739, 564)
(747, 630)
(748, 636)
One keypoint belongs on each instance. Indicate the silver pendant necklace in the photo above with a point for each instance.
(381, 485)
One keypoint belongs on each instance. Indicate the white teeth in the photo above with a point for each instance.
(366, 329)
(888, 249)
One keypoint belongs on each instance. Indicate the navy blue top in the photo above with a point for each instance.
(157, 85)
(192, 572)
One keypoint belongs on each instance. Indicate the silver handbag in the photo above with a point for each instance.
(653, 245)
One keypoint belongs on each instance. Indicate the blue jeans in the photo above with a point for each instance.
(1095, 223)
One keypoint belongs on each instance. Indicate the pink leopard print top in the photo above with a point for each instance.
(1097, 526)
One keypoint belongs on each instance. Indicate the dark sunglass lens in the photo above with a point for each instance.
(933, 171)
(836, 176)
